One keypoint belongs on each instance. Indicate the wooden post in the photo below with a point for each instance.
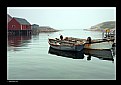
(27, 32)
(103, 35)
(18, 32)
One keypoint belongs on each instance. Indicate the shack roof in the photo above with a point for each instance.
(22, 21)
(9, 16)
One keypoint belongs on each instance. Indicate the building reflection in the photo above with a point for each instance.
(100, 54)
(18, 41)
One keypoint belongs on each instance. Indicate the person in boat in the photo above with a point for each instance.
(61, 37)
(89, 40)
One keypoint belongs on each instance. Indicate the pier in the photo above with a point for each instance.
(19, 32)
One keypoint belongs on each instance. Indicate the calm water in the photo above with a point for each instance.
(30, 58)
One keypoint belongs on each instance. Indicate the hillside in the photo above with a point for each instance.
(102, 26)
(43, 29)
(47, 29)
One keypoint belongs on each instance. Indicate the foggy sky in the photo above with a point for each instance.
(64, 17)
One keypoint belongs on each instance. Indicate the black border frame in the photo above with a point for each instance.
(49, 3)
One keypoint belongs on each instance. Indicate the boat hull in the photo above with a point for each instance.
(100, 45)
(68, 48)
(65, 45)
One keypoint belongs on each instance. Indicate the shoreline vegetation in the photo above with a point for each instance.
(103, 26)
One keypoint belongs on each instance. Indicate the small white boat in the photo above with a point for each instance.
(66, 45)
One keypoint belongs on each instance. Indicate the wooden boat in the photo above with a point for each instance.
(102, 44)
(68, 54)
(66, 45)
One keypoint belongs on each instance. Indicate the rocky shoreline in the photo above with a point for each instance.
(43, 29)
(48, 29)
(102, 26)
(93, 29)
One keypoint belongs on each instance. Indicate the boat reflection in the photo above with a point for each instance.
(101, 54)
(69, 54)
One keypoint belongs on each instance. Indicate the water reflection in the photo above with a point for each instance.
(74, 55)
(101, 54)
(18, 41)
